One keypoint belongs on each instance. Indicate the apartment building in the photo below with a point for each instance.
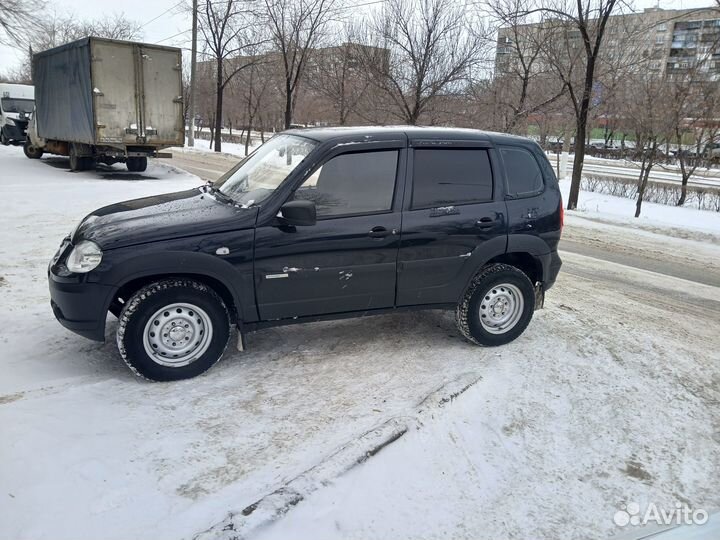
(668, 42)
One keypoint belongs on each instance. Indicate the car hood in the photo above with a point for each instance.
(162, 217)
(17, 116)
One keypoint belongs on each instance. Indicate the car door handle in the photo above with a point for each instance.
(378, 232)
(485, 222)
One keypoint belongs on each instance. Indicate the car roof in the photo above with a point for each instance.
(323, 134)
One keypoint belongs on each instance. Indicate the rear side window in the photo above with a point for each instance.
(450, 176)
(362, 183)
(524, 176)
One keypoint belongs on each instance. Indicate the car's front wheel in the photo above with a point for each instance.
(173, 329)
(497, 305)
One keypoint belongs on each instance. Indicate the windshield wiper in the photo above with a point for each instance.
(210, 187)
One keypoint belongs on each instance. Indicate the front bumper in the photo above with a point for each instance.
(15, 132)
(78, 305)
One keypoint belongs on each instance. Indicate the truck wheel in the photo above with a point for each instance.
(136, 164)
(497, 305)
(32, 152)
(3, 138)
(173, 329)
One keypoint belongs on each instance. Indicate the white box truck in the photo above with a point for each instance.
(109, 101)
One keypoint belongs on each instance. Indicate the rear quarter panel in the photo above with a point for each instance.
(534, 222)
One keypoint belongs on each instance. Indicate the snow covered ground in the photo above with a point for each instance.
(612, 395)
(201, 145)
(676, 221)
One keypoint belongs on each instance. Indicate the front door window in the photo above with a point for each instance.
(352, 184)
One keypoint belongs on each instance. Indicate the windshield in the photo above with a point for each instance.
(17, 105)
(253, 179)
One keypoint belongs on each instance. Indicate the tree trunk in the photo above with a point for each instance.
(581, 134)
(641, 189)
(247, 137)
(288, 105)
(644, 175)
(577, 163)
(683, 192)
(685, 177)
(218, 106)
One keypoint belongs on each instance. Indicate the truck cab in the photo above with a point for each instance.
(319, 224)
(17, 102)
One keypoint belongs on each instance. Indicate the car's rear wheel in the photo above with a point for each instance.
(497, 305)
(173, 329)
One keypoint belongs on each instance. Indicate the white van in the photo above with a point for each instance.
(17, 102)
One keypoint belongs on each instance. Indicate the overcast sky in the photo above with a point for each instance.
(171, 21)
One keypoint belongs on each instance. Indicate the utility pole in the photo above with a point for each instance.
(193, 61)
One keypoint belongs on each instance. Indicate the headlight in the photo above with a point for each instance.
(10, 121)
(84, 257)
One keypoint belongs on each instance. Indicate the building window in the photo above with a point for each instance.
(655, 65)
(661, 27)
(659, 40)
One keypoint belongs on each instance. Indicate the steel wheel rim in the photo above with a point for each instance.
(501, 308)
(177, 335)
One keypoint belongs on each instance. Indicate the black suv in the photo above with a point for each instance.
(319, 224)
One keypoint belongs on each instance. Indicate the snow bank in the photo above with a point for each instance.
(620, 210)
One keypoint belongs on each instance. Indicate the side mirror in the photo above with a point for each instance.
(299, 213)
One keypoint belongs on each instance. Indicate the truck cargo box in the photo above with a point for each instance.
(105, 92)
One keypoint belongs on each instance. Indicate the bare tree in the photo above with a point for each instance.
(297, 27)
(693, 108)
(647, 98)
(621, 58)
(17, 18)
(58, 30)
(336, 76)
(229, 31)
(576, 48)
(432, 47)
(525, 77)
(251, 90)
(54, 30)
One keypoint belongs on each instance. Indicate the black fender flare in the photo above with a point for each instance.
(535, 246)
(513, 243)
(185, 263)
(479, 257)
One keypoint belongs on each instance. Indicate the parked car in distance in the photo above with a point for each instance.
(16, 107)
(319, 224)
(712, 150)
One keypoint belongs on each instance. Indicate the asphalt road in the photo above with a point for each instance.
(206, 166)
